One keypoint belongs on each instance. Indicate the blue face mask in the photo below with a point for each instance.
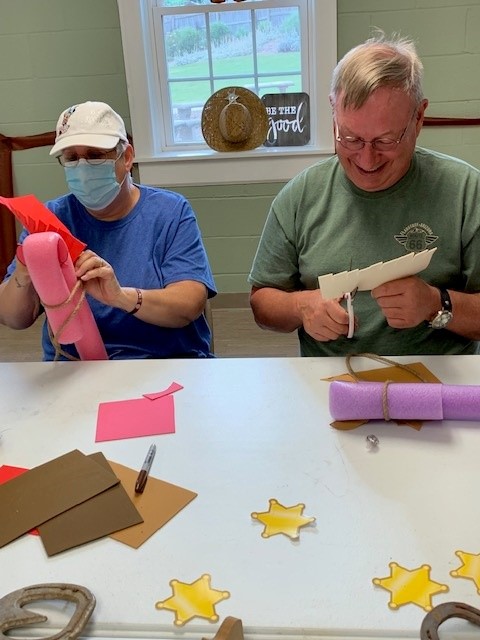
(95, 186)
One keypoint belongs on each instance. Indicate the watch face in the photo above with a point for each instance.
(441, 319)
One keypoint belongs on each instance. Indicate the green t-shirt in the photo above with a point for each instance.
(321, 223)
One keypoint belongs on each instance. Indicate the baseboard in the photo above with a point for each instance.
(230, 301)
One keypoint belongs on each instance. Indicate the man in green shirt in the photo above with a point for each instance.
(378, 198)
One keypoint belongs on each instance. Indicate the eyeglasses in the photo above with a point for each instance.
(92, 157)
(379, 144)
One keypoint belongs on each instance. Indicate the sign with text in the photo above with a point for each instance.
(288, 119)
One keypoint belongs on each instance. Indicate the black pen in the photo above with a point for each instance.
(145, 470)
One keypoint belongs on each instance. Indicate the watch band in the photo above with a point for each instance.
(446, 301)
(445, 315)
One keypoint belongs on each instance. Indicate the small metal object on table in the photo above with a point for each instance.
(372, 441)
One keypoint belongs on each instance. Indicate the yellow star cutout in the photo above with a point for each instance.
(280, 519)
(193, 599)
(470, 568)
(410, 586)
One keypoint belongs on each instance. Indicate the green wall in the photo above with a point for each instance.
(54, 53)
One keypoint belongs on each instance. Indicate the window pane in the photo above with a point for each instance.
(278, 39)
(276, 84)
(187, 100)
(184, 3)
(207, 50)
(232, 43)
(179, 3)
(185, 45)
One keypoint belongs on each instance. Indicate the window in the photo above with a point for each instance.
(178, 52)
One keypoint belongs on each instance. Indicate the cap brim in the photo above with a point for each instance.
(85, 140)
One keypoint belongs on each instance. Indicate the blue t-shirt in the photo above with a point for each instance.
(156, 244)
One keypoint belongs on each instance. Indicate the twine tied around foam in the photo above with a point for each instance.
(55, 338)
(373, 356)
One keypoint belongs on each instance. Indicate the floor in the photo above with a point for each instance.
(235, 335)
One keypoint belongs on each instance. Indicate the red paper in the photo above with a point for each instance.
(35, 217)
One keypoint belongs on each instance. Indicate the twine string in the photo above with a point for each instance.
(55, 338)
(373, 356)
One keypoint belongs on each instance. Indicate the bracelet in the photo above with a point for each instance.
(139, 303)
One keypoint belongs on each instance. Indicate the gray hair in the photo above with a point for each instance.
(378, 62)
(121, 146)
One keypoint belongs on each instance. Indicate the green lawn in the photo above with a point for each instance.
(193, 90)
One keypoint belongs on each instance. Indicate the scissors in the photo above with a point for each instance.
(348, 297)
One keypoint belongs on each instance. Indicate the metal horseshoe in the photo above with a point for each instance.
(444, 611)
(12, 614)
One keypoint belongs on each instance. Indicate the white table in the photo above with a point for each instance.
(248, 430)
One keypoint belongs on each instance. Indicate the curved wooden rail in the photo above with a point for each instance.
(8, 232)
(433, 121)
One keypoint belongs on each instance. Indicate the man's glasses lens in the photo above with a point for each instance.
(380, 144)
(355, 144)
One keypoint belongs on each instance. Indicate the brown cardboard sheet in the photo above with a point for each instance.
(159, 503)
(105, 513)
(47, 490)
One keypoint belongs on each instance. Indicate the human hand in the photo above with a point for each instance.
(98, 277)
(407, 302)
(324, 320)
(19, 255)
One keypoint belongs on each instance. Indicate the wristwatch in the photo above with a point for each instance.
(443, 317)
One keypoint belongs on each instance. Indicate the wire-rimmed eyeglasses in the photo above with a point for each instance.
(380, 144)
(92, 156)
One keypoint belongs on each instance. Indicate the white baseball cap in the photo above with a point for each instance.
(90, 124)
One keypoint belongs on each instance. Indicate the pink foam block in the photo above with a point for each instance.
(53, 276)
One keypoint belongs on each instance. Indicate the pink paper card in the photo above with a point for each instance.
(171, 389)
(135, 418)
(151, 415)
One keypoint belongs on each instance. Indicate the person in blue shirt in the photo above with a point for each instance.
(145, 270)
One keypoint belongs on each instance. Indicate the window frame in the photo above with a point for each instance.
(204, 166)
